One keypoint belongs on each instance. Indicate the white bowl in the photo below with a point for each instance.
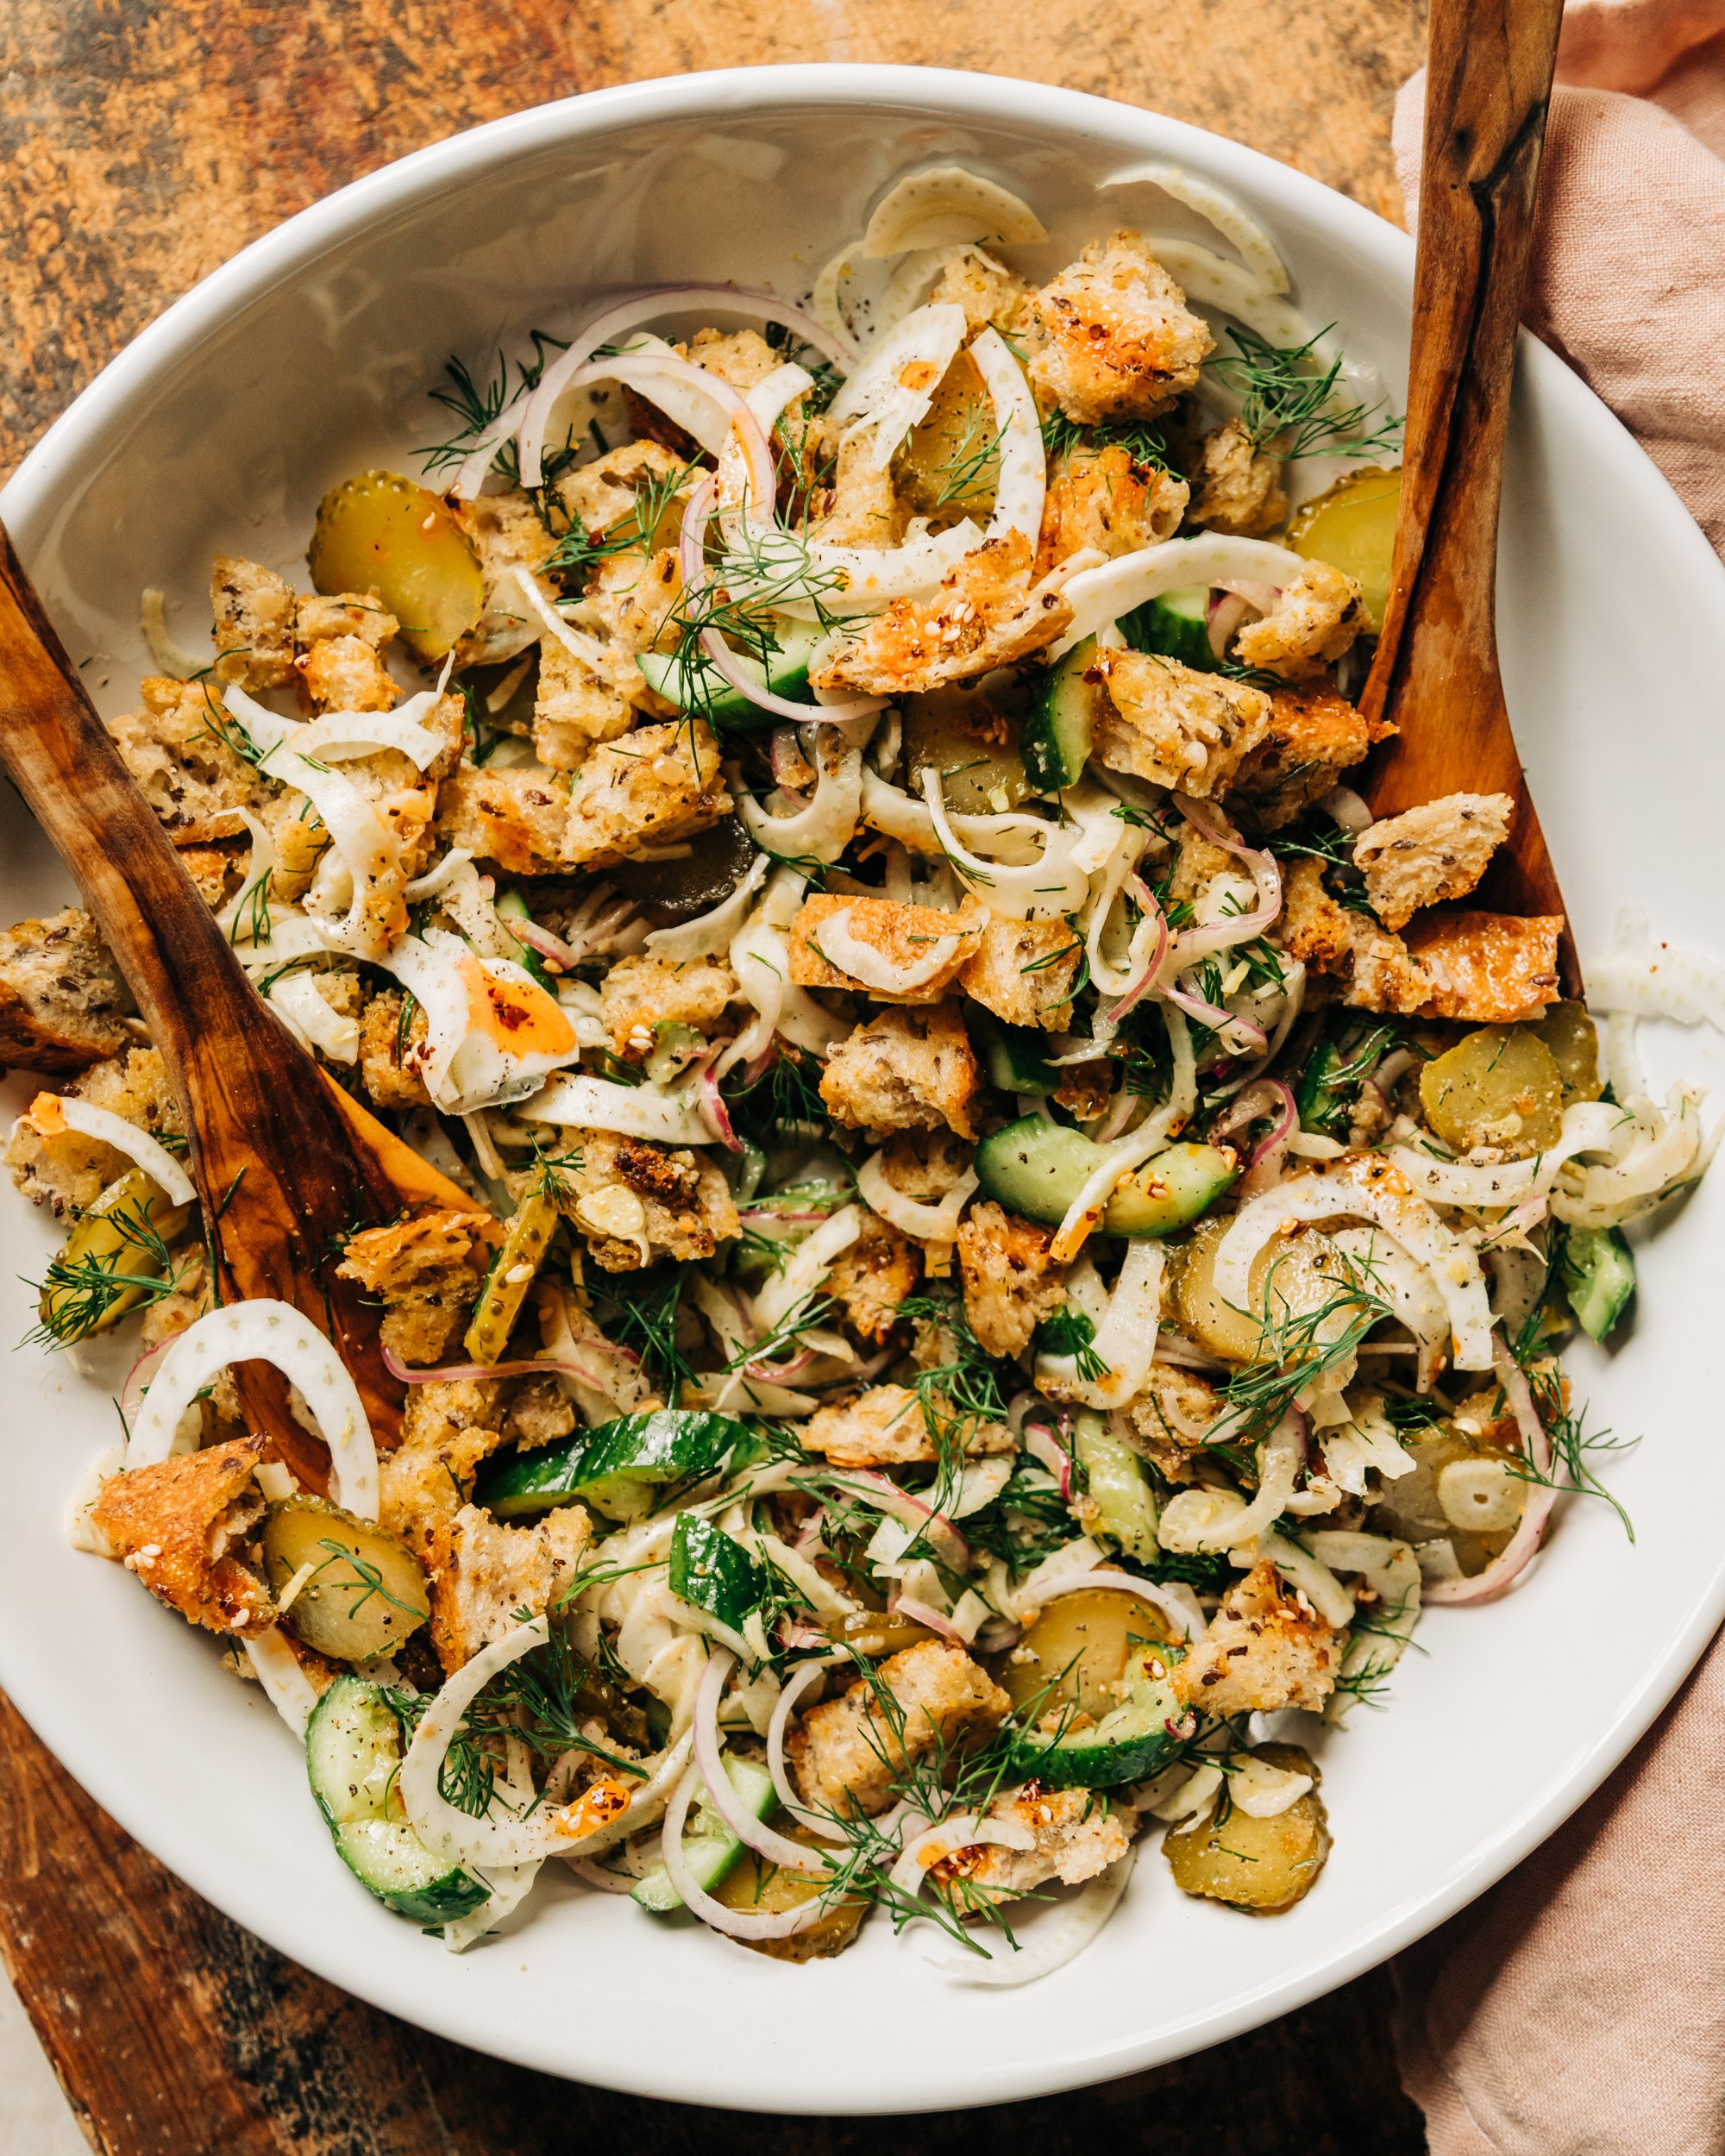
(310, 355)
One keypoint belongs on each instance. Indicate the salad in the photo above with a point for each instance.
(1004, 1236)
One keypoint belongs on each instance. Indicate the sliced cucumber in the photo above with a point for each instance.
(352, 1754)
(1597, 1269)
(1060, 726)
(1134, 1740)
(1014, 1057)
(712, 1849)
(511, 907)
(1037, 1167)
(702, 690)
(1176, 626)
(714, 1572)
(1125, 1508)
(621, 1467)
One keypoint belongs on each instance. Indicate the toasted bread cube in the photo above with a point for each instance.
(425, 1482)
(344, 673)
(741, 357)
(1266, 1648)
(422, 1271)
(511, 540)
(255, 612)
(1011, 1280)
(1112, 337)
(1378, 972)
(874, 1276)
(392, 1050)
(991, 296)
(176, 745)
(1078, 1834)
(1487, 968)
(655, 786)
(1168, 723)
(1314, 620)
(640, 994)
(63, 1006)
(175, 1524)
(1313, 735)
(68, 1172)
(574, 708)
(637, 1202)
(849, 1754)
(482, 1573)
(1023, 971)
(1240, 485)
(903, 935)
(985, 614)
(1106, 499)
(1427, 855)
(518, 817)
(905, 1070)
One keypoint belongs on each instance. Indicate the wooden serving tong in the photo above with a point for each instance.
(1435, 677)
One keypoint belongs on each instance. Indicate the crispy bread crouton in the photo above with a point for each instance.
(1112, 337)
(873, 1277)
(1487, 968)
(425, 1482)
(510, 539)
(1106, 499)
(482, 1573)
(903, 936)
(1436, 851)
(656, 786)
(517, 817)
(1078, 1834)
(886, 1426)
(1010, 1283)
(1267, 1648)
(1374, 965)
(741, 357)
(903, 1070)
(1023, 971)
(849, 1753)
(630, 600)
(1239, 487)
(639, 995)
(391, 1053)
(68, 1172)
(1169, 724)
(1314, 735)
(175, 746)
(991, 295)
(860, 506)
(925, 1164)
(1170, 1417)
(604, 498)
(175, 1524)
(63, 1005)
(573, 708)
(985, 614)
(421, 1270)
(1314, 620)
(321, 617)
(637, 1202)
(255, 612)
(344, 673)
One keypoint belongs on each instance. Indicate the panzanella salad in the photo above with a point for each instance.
(1011, 1237)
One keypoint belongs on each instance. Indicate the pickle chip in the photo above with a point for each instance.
(1352, 525)
(381, 532)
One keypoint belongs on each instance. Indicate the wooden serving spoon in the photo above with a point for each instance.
(285, 1163)
(1435, 677)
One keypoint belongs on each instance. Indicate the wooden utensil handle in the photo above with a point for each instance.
(1487, 85)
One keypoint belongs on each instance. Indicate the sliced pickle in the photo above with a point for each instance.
(511, 1274)
(1076, 1652)
(1570, 1034)
(755, 1884)
(874, 1632)
(379, 531)
(1498, 1086)
(1292, 1275)
(119, 1239)
(1411, 1507)
(364, 1592)
(972, 743)
(1257, 1864)
(1352, 525)
(950, 464)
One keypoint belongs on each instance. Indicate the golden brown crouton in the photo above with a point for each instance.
(68, 1172)
(1436, 851)
(1078, 1834)
(63, 1005)
(1169, 724)
(176, 746)
(631, 599)
(1170, 1417)
(1314, 620)
(904, 937)
(1023, 971)
(637, 1202)
(655, 786)
(1314, 735)
(1106, 499)
(391, 1052)
(741, 357)
(425, 1482)
(1374, 965)
(482, 1573)
(985, 614)
(573, 708)
(886, 1426)
(848, 1755)
(254, 613)
(991, 295)
(1010, 1283)
(175, 1524)
(860, 506)
(639, 995)
(422, 1271)
(1112, 337)
(925, 1164)
(511, 541)
(604, 498)
(903, 1070)
(321, 618)
(517, 817)
(344, 673)
(1267, 1648)
(873, 1277)
(1240, 485)
(1487, 968)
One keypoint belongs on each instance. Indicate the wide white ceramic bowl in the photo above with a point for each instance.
(308, 356)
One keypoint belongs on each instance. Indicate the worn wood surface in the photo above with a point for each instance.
(142, 144)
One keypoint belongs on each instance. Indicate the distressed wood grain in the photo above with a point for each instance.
(143, 143)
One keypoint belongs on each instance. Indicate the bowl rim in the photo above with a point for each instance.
(26, 504)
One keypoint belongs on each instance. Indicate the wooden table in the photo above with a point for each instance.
(143, 146)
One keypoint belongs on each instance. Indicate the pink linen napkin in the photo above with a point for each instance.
(1578, 2008)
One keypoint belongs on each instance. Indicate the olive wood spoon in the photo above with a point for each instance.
(285, 1163)
(1435, 676)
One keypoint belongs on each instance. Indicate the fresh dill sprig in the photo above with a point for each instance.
(475, 402)
(648, 1322)
(579, 550)
(1294, 1348)
(1069, 1331)
(77, 1296)
(1289, 400)
(1571, 1443)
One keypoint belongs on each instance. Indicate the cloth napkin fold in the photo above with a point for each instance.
(1578, 2008)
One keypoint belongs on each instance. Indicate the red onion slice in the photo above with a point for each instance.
(1201, 943)
(1045, 1448)
(735, 1923)
(753, 1833)
(921, 1612)
(1144, 979)
(1523, 1544)
(562, 956)
(451, 1373)
(898, 1504)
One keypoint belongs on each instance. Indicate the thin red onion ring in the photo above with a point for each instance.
(753, 1833)
(1199, 943)
(1146, 977)
(736, 1923)
(547, 944)
(1043, 1447)
(138, 1378)
(921, 1612)
(1524, 1544)
(1265, 1162)
(713, 1108)
(450, 1373)
(794, 1686)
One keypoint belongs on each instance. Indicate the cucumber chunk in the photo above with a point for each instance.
(1125, 1509)
(1014, 1057)
(1597, 1269)
(1060, 726)
(1036, 1167)
(712, 1849)
(1176, 626)
(714, 1572)
(701, 689)
(352, 1754)
(1134, 1740)
(622, 1467)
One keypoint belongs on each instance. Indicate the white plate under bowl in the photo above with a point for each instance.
(312, 354)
